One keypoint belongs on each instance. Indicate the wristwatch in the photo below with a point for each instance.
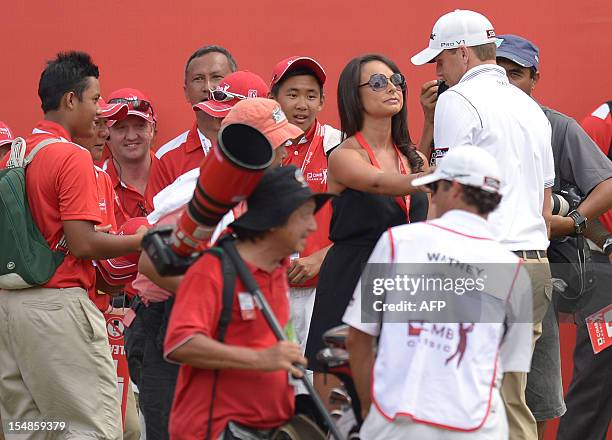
(607, 246)
(580, 222)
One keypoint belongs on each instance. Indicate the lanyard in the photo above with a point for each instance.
(317, 138)
(403, 202)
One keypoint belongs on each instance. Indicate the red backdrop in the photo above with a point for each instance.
(145, 44)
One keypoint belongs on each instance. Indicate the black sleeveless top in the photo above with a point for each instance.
(360, 218)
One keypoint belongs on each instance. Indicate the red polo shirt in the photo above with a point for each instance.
(131, 202)
(61, 186)
(598, 126)
(310, 157)
(106, 203)
(183, 153)
(253, 398)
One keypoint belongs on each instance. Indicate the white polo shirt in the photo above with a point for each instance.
(445, 373)
(485, 110)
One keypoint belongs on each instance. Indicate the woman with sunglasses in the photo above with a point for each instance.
(372, 171)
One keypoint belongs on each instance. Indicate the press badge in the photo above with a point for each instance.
(247, 306)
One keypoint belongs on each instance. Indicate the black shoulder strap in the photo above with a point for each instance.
(229, 285)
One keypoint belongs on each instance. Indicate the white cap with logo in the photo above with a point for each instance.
(468, 165)
(457, 28)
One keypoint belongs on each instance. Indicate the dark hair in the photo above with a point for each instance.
(485, 52)
(244, 234)
(350, 108)
(485, 202)
(68, 72)
(296, 72)
(210, 49)
(532, 72)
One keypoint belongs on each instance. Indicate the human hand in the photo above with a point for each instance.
(428, 99)
(281, 356)
(304, 269)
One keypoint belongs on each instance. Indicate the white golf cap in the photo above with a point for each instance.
(468, 165)
(457, 28)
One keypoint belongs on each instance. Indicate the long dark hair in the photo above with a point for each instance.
(351, 108)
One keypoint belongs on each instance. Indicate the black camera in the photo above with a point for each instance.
(156, 243)
(567, 199)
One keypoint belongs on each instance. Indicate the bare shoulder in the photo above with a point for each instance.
(349, 148)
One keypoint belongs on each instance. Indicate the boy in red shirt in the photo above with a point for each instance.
(54, 352)
(253, 389)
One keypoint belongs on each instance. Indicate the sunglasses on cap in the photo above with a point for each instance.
(378, 82)
(221, 95)
(134, 104)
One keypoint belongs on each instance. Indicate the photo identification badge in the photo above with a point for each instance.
(247, 306)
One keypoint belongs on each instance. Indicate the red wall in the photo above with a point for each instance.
(144, 44)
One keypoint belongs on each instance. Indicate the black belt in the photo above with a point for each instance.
(530, 255)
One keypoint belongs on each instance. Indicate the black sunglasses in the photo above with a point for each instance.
(135, 104)
(378, 82)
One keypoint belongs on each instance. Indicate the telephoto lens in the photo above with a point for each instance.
(560, 206)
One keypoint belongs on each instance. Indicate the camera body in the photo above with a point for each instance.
(157, 243)
(567, 199)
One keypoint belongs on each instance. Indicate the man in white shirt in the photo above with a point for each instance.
(482, 108)
(437, 373)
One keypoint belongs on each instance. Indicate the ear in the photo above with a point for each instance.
(185, 92)
(270, 95)
(535, 80)
(455, 190)
(466, 54)
(69, 100)
(322, 102)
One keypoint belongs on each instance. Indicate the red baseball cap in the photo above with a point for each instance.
(266, 116)
(291, 63)
(6, 135)
(115, 111)
(123, 270)
(234, 88)
(138, 103)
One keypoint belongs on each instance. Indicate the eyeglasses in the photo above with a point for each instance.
(378, 82)
(221, 95)
(135, 104)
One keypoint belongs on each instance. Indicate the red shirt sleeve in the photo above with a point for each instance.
(77, 189)
(197, 305)
(597, 129)
(159, 178)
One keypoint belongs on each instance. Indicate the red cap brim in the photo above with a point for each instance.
(214, 108)
(114, 111)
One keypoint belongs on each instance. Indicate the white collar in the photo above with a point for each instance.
(204, 141)
(484, 69)
(465, 223)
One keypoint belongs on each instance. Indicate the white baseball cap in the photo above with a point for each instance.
(468, 165)
(457, 28)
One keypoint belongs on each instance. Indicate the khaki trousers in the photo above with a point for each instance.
(521, 423)
(131, 426)
(55, 365)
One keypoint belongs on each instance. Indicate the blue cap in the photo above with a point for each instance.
(523, 52)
